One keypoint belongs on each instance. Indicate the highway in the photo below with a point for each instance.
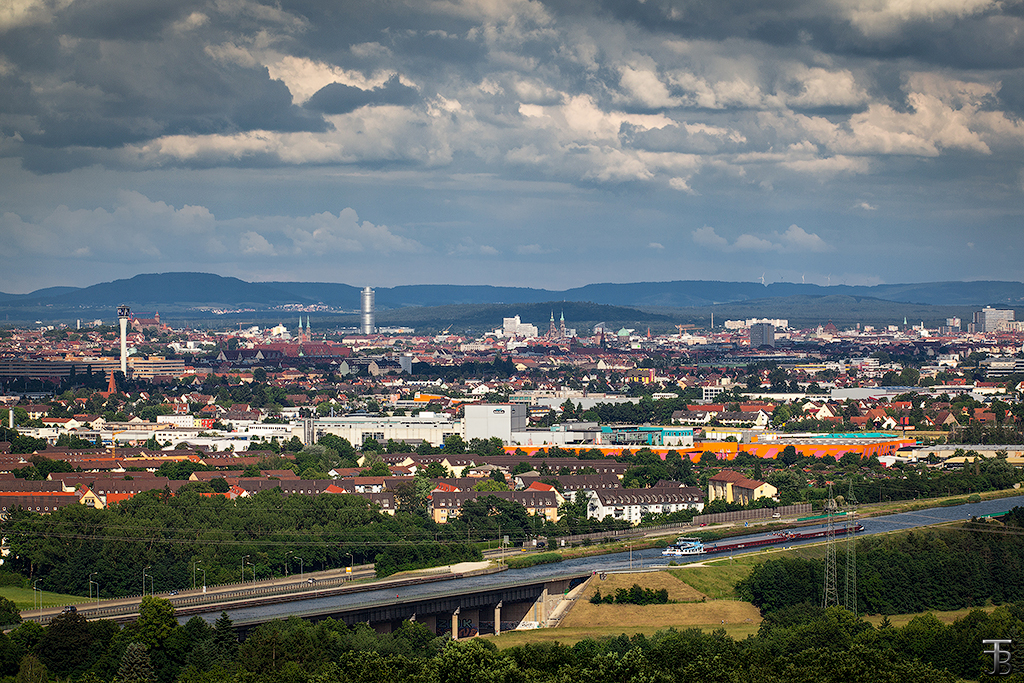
(615, 562)
(240, 601)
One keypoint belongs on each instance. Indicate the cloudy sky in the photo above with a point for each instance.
(547, 143)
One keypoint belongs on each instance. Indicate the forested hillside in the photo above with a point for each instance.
(942, 569)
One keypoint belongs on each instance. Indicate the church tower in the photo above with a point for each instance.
(561, 325)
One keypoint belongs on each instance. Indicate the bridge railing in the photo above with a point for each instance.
(221, 595)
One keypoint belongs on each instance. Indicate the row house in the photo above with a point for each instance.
(445, 505)
(577, 482)
(43, 502)
(632, 504)
(573, 465)
(14, 485)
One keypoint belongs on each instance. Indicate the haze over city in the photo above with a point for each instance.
(546, 144)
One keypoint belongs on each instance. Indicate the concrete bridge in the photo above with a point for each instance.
(449, 609)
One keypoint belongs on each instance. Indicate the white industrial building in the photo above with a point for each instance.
(487, 420)
(358, 428)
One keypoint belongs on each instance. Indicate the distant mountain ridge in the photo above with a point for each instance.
(205, 289)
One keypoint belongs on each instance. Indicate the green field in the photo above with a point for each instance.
(23, 598)
(717, 578)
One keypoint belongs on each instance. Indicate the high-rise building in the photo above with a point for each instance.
(366, 318)
(515, 327)
(762, 334)
(123, 315)
(991, 319)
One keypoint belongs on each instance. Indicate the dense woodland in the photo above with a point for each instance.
(807, 645)
(923, 569)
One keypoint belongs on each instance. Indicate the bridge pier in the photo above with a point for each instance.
(455, 623)
(497, 619)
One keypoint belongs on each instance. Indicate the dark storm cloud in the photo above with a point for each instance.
(689, 18)
(988, 39)
(16, 96)
(703, 140)
(122, 19)
(338, 98)
(1011, 93)
(148, 82)
(510, 116)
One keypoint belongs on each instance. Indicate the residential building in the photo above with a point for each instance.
(632, 504)
(734, 487)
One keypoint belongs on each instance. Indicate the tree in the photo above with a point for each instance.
(789, 456)
(136, 666)
(413, 496)
(379, 469)
(224, 638)
(454, 444)
(31, 670)
(522, 467)
(850, 460)
(781, 415)
(708, 459)
(66, 643)
(342, 447)
(9, 613)
(489, 485)
(156, 621)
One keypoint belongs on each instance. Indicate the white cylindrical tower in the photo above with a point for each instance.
(123, 314)
(366, 320)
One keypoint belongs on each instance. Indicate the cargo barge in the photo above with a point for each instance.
(693, 546)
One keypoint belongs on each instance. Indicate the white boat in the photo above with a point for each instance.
(683, 547)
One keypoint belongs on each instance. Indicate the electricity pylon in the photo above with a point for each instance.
(851, 551)
(831, 589)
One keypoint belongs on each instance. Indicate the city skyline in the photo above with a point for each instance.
(523, 143)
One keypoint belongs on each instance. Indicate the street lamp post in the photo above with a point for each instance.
(204, 579)
(34, 592)
(300, 566)
(91, 584)
(243, 567)
(144, 579)
(195, 565)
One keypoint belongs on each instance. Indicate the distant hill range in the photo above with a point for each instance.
(205, 289)
(188, 295)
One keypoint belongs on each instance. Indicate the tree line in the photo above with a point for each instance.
(923, 569)
(812, 646)
(189, 536)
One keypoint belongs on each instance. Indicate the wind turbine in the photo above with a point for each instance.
(762, 279)
(803, 278)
